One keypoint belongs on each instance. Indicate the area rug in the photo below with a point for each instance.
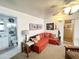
(50, 52)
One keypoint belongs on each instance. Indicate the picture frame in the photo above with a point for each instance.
(50, 26)
(33, 26)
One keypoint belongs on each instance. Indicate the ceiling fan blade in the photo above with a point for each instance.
(67, 1)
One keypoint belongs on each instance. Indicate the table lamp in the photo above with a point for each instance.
(24, 33)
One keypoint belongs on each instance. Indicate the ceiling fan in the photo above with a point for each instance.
(55, 9)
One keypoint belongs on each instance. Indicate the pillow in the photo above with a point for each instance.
(73, 54)
(32, 37)
(34, 40)
(37, 37)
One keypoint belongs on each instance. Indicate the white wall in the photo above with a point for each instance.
(76, 33)
(23, 21)
(60, 26)
(55, 32)
(76, 29)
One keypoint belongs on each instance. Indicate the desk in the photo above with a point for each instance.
(25, 47)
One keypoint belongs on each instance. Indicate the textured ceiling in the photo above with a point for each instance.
(38, 8)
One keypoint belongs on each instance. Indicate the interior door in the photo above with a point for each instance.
(68, 30)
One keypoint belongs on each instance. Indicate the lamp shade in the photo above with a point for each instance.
(24, 32)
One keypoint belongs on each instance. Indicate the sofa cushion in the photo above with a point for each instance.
(73, 54)
(47, 35)
(54, 41)
(42, 42)
(42, 35)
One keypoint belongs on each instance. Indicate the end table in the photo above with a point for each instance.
(25, 47)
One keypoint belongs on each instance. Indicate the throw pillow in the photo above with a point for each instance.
(37, 37)
(34, 40)
(73, 54)
(32, 37)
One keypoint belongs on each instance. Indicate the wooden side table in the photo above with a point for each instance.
(25, 47)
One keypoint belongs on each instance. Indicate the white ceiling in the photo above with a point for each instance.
(38, 8)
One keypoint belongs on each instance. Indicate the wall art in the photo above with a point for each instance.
(50, 26)
(35, 26)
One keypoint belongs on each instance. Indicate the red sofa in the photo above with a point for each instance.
(45, 39)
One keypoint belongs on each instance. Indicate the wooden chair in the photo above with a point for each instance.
(70, 48)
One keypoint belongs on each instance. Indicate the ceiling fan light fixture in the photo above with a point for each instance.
(67, 10)
(71, 10)
(74, 8)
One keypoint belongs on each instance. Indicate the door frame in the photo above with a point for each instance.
(72, 30)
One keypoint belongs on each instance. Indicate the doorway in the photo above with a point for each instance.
(68, 30)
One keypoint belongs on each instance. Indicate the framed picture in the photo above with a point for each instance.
(50, 26)
(32, 26)
(35, 26)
